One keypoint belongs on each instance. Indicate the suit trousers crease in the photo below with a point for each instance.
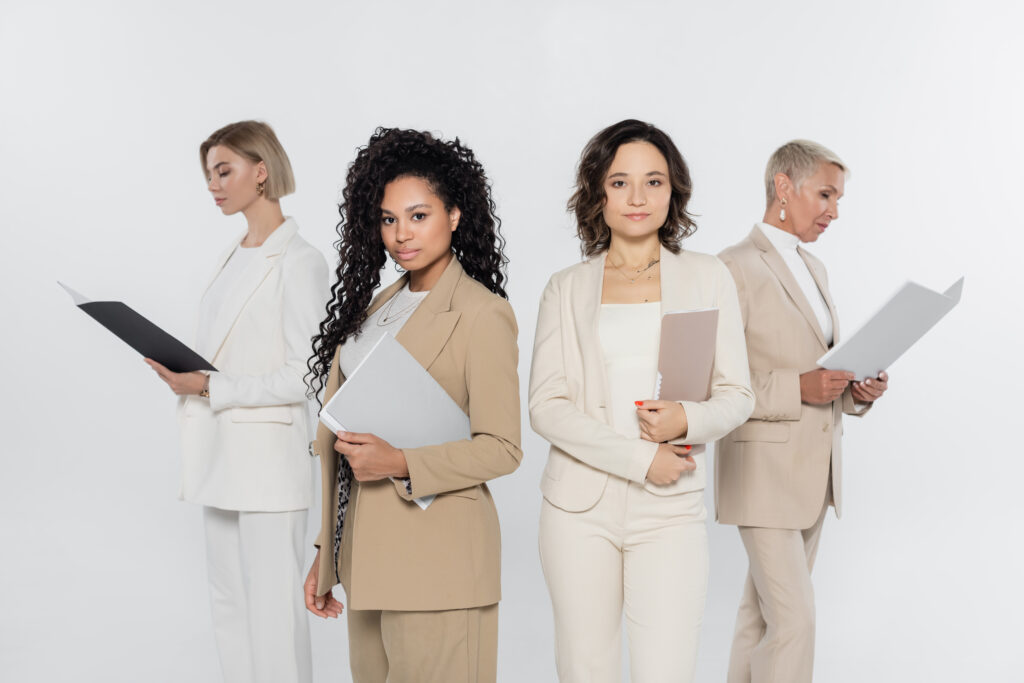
(446, 646)
(775, 624)
(255, 566)
(637, 555)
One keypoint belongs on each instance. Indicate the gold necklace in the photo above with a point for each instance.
(638, 271)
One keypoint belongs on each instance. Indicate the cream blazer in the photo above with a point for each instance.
(394, 555)
(569, 387)
(773, 471)
(247, 446)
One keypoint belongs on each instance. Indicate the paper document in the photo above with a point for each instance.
(391, 395)
(141, 334)
(686, 357)
(902, 320)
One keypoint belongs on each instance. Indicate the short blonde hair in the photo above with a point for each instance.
(798, 159)
(257, 142)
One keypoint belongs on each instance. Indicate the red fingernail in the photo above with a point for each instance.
(689, 448)
(639, 403)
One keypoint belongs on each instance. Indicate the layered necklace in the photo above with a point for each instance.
(633, 274)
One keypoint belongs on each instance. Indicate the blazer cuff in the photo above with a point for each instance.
(640, 462)
(696, 423)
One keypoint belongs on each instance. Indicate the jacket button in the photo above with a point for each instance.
(824, 427)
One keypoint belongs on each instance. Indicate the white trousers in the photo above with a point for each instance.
(633, 553)
(255, 562)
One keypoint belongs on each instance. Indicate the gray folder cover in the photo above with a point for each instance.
(686, 357)
(391, 395)
(902, 320)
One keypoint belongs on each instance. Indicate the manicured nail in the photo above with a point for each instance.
(689, 448)
(639, 404)
(868, 382)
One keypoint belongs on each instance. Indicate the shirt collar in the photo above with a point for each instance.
(782, 241)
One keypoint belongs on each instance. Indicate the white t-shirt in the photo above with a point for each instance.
(630, 340)
(388, 318)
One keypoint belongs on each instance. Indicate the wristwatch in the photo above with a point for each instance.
(205, 393)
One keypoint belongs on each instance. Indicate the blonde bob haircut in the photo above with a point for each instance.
(798, 159)
(255, 141)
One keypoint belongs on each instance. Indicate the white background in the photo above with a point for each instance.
(104, 105)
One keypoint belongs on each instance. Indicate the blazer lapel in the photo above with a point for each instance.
(249, 280)
(586, 303)
(773, 259)
(817, 273)
(431, 324)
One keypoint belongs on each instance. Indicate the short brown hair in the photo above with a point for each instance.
(257, 142)
(587, 202)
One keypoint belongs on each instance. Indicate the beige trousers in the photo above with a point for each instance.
(774, 638)
(450, 646)
(633, 553)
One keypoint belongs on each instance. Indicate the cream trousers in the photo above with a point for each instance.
(635, 554)
(255, 565)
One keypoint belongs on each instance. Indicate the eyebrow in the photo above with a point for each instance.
(218, 165)
(624, 174)
(408, 208)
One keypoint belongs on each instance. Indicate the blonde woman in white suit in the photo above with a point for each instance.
(622, 529)
(245, 429)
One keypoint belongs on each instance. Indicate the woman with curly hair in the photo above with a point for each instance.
(422, 585)
(622, 526)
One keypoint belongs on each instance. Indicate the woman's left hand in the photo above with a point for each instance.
(661, 421)
(371, 457)
(181, 383)
(870, 390)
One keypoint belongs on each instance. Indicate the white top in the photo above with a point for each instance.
(787, 244)
(630, 339)
(388, 318)
(224, 283)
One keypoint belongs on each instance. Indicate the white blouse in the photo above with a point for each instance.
(630, 340)
(390, 317)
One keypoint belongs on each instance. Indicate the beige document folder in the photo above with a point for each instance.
(686, 357)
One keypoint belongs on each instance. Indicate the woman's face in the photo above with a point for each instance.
(416, 228)
(232, 179)
(637, 191)
(816, 204)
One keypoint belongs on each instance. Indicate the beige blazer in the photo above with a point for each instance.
(773, 471)
(247, 446)
(449, 555)
(569, 387)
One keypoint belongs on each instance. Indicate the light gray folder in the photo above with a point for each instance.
(391, 395)
(902, 320)
(686, 357)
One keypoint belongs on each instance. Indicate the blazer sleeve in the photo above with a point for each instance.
(731, 400)
(555, 415)
(304, 283)
(850, 405)
(776, 391)
(492, 381)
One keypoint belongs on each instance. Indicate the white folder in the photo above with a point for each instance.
(902, 320)
(391, 395)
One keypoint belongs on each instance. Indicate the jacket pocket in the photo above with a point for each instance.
(281, 414)
(760, 430)
(473, 493)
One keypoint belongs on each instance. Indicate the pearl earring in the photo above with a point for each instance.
(782, 213)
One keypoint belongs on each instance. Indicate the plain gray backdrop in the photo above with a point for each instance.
(104, 104)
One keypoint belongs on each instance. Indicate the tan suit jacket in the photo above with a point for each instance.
(569, 401)
(449, 555)
(773, 471)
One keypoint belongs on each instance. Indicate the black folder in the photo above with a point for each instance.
(141, 334)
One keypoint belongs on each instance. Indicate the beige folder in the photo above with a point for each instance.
(686, 357)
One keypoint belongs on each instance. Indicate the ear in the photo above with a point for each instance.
(453, 217)
(261, 172)
(783, 187)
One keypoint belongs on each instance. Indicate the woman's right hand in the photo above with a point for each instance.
(321, 605)
(669, 463)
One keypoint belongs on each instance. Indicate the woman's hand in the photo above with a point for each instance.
(371, 457)
(181, 383)
(821, 386)
(661, 421)
(870, 390)
(321, 605)
(669, 464)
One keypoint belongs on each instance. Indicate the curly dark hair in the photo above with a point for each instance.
(458, 180)
(587, 202)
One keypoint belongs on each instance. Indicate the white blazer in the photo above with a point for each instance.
(247, 446)
(569, 386)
